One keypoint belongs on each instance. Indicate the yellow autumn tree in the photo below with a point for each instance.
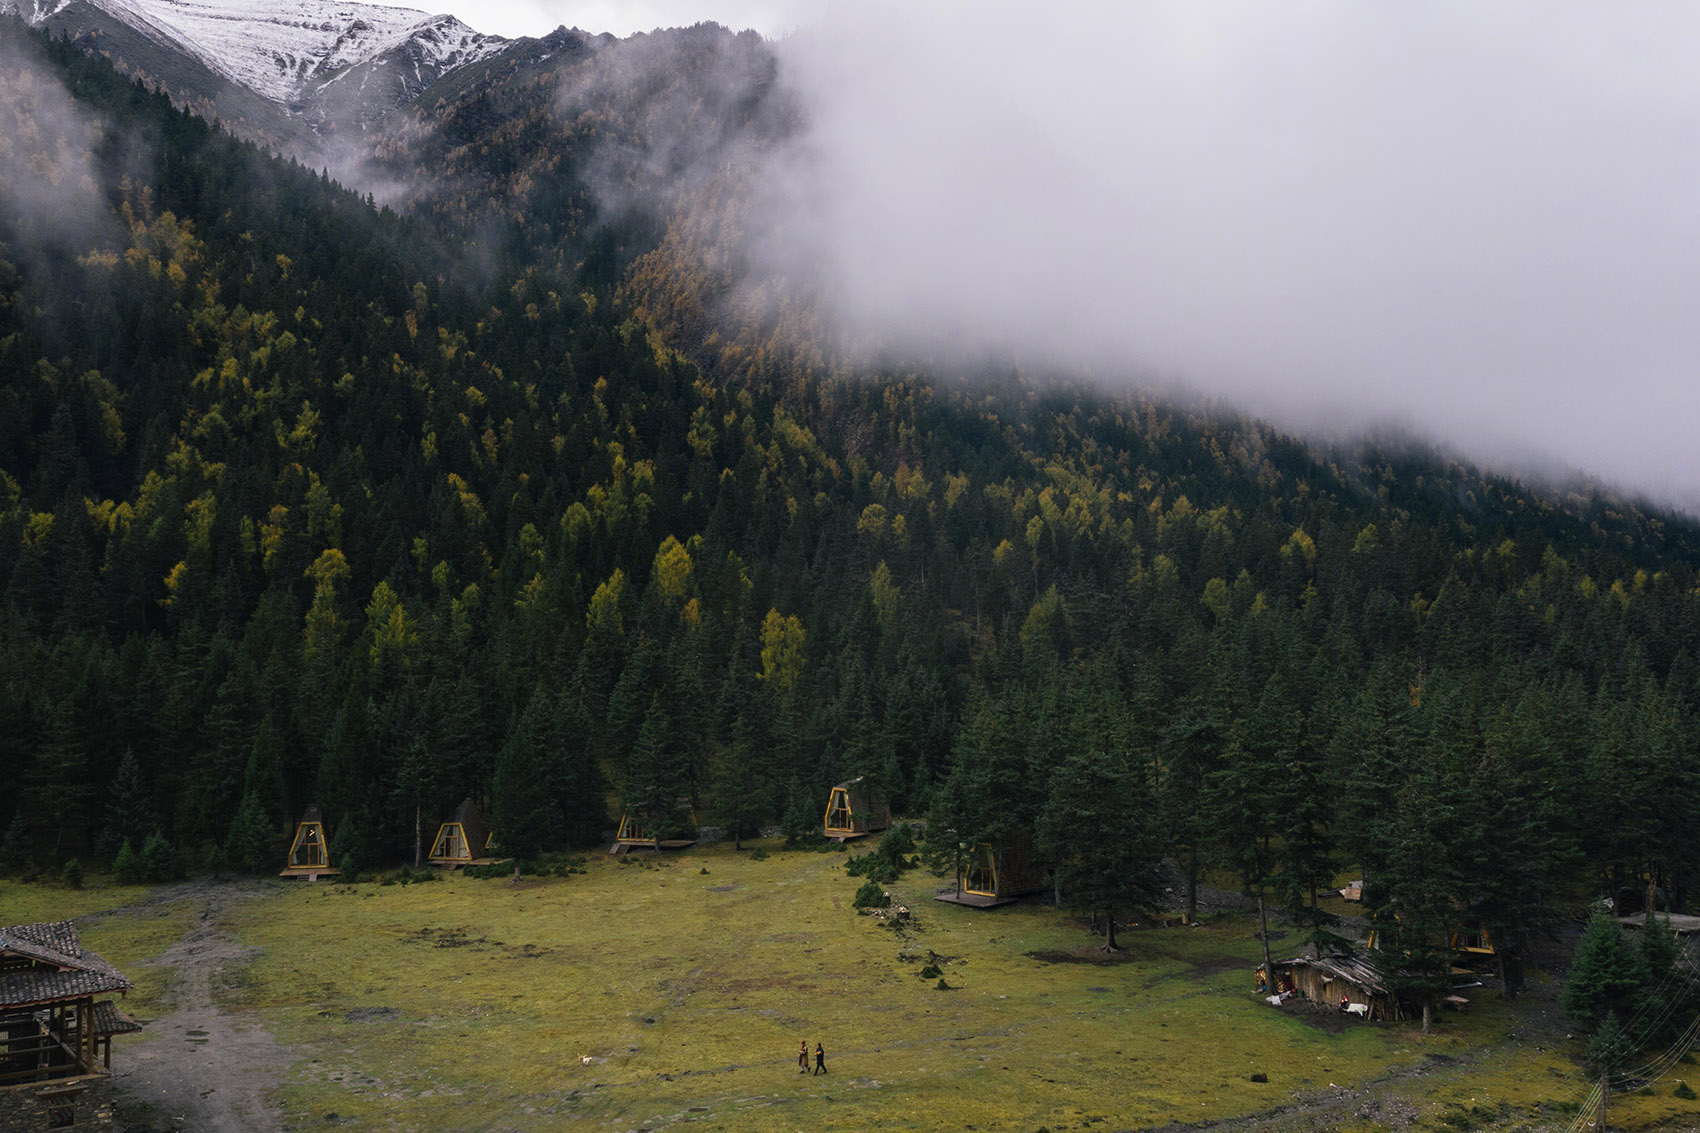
(781, 650)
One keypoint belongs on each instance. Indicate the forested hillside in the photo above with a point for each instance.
(304, 500)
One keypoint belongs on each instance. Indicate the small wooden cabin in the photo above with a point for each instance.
(309, 853)
(996, 873)
(1472, 944)
(464, 839)
(55, 1037)
(673, 834)
(1333, 980)
(854, 811)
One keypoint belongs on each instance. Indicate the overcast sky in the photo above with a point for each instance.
(1477, 220)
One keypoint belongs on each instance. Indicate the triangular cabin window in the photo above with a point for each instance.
(451, 843)
(838, 815)
(982, 875)
(309, 848)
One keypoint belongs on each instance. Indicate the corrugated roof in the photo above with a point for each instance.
(1353, 969)
(60, 968)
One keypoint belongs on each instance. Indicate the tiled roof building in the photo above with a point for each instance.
(55, 1040)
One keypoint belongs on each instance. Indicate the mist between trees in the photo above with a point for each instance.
(300, 505)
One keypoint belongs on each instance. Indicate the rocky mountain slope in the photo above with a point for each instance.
(286, 74)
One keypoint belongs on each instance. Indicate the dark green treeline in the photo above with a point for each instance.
(304, 500)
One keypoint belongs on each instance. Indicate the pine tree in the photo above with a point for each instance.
(1607, 974)
(525, 806)
(1097, 826)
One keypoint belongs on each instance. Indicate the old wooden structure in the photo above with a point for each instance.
(675, 833)
(1340, 982)
(463, 839)
(996, 873)
(854, 811)
(309, 853)
(55, 1035)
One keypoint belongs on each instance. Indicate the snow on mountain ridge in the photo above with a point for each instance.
(282, 49)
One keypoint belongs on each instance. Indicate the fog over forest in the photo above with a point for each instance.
(1472, 222)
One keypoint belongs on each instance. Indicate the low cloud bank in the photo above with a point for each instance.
(1476, 222)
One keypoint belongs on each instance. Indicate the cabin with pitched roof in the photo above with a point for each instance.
(996, 873)
(55, 1035)
(464, 839)
(309, 853)
(854, 811)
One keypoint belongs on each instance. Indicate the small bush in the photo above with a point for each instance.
(127, 866)
(899, 840)
(158, 862)
(1684, 1091)
(871, 895)
(931, 972)
(871, 866)
(73, 873)
(758, 856)
(941, 985)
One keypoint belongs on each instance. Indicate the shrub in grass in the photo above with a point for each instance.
(73, 873)
(1684, 1091)
(158, 863)
(871, 895)
(127, 866)
(931, 972)
(758, 856)
(870, 866)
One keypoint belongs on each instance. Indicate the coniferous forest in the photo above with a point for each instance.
(308, 500)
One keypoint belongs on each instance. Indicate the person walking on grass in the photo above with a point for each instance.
(803, 1058)
(820, 1059)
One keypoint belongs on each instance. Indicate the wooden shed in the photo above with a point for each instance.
(1332, 980)
(463, 839)
(854, 811)
(996, 873)
(309, 853)
(55, 1037)
(672, 833)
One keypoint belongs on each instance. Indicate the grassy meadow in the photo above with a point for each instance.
(659, 990)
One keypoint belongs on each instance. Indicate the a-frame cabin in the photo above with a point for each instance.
(854, 811)
(309, 853)
(464, 839)
(996, 873)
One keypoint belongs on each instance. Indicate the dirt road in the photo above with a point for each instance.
(200, 1068)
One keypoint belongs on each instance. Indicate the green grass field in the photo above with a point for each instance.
(653, 991)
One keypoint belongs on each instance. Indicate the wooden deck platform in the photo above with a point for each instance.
(310, 873)
(973, 900)
(650, 844)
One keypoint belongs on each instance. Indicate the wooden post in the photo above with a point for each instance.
(416, 836)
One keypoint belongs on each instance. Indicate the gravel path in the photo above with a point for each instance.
(200, 1068)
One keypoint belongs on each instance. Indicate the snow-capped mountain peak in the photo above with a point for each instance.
(283, 50)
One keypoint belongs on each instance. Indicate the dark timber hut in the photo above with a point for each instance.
(1333, 980)
(309, 854)
(55, 1037)
(674, 833)
(996, 873)
(463, 839)
(854, 811)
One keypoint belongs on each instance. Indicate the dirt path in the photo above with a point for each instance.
(201, 1068)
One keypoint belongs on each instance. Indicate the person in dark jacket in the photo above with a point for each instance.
(820, 1060)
